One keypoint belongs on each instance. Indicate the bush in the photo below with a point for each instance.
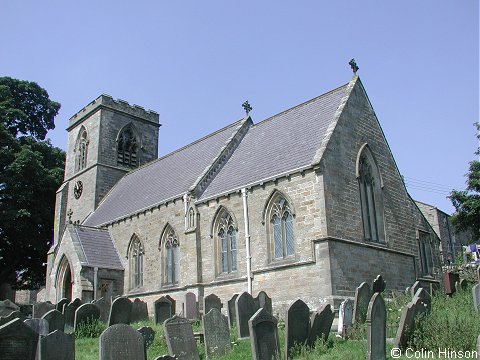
(92, 328)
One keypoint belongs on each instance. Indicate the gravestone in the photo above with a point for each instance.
(180, 340)
(463, 285)
(478, 274)
(120, 311)
(86, 313)
(264, 301)
(104, 306)
(424, 297)
(55, 319)
(165, 357)
(190, 304)
(59, 306)
(139, 311)
(40, 326)
(297, 324)
(7, 307)
(211, 301)
(378, 285)
(148, 335)
(69, 313)
(376, 328)
(18, 341)
(413, 289)
(362, 298)
(320, 325)
(41, 309)
(216, 334)
(174, 303)
(475, 294)
(13, 315)
(57, 346)
(120, 341)
(231, 310)
(163, 310)
(406, 326)
(345, 317)
(264, 339)
(449, 280)
(245, 307)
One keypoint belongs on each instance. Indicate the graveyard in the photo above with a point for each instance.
(373, 325)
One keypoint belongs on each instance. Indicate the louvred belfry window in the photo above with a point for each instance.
(127, 148)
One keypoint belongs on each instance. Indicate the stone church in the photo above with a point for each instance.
(306, 204)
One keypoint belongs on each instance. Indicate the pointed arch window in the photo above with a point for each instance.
(127, 147)
(282, 234)
(191, 218)
(227, 243)
(135, 255)
(81, 149)
(171, 256)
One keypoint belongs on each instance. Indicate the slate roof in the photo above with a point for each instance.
(96, 247)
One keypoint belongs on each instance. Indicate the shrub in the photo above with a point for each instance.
(90, 329)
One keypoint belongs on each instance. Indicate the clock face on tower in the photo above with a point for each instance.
(77, 189)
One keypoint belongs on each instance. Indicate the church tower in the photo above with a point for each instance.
(106, 139)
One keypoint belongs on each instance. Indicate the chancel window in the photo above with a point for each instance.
(81, 150)
(281, 220)
(227, 239)
(171, 260)
(136, 253)
(426, 254)
(127, 148)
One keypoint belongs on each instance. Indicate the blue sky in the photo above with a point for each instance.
(196, 62)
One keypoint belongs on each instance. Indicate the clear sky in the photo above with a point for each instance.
(196, 62)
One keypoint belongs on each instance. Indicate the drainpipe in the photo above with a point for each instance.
(95, 282)
(247, 241)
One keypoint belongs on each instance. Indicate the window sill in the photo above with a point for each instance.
(282, 261)
(227, 276)
(170, 286)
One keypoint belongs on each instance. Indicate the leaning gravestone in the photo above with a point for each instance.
(40, 326)
(13, 315)
(406, 326)
(413, 289)
(57, 346)
(86, 313)
(139, 311)
(174, 303)
(376, 328)
(362, 297)
(378, 285)
(148, 335)
(163, 310)
(55, 319)
(190, 304)
(59, 306)
(211, 301)
(231, 310)
(41, 309)
(120, 312)
(264, 301)
(297, 324)
(320, 325)
(345, 317)
(216, 334)
(120, 341)
(264, 338)
(423, 296)
(104, 306)
(476, 297)
(69, 313)
(245, 307)
(7, 307)
(180, 340)
(463, 284)
(18, 341)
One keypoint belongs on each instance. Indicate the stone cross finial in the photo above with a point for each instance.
(353, 65)
(247, 107)
(69, 214)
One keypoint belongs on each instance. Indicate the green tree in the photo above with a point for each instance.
(31, 170)
(467, 202)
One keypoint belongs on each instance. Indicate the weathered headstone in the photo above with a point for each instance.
(18, 341)
(478, 274)
(264, 338)
(406, 326)
(297, 324)
(69, 313)
(180, 340)
(378, 285)
(7, 307)
(475, 294)
(345, 317)
(190, 304)
(120, 312)
(139, 311)
(320, 325)
(148, 335)
(245, 307)
(231, 310)
(13, 315)
(413, 289)
(376, 328)
(163, 310)
(463, 284)
(104, 305)
(41, 309)
(449, 280)
(165, 357)
(362, 298)
(424, 298)
(86, 313)
(57, 346)
(216, 334)
(40, 326)
(120, 341)
(55, 319)
(174, 303)
(211, 301)
(264, 301)
(62, 302)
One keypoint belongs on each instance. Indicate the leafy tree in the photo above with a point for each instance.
(31, 170)
(467, 202)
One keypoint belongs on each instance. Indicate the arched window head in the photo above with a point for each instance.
(281, 228)
(191, 218)
(227, 243)
(170, 257)
(135, 256)
(81, 149)
(371, 198)
(127, 147)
